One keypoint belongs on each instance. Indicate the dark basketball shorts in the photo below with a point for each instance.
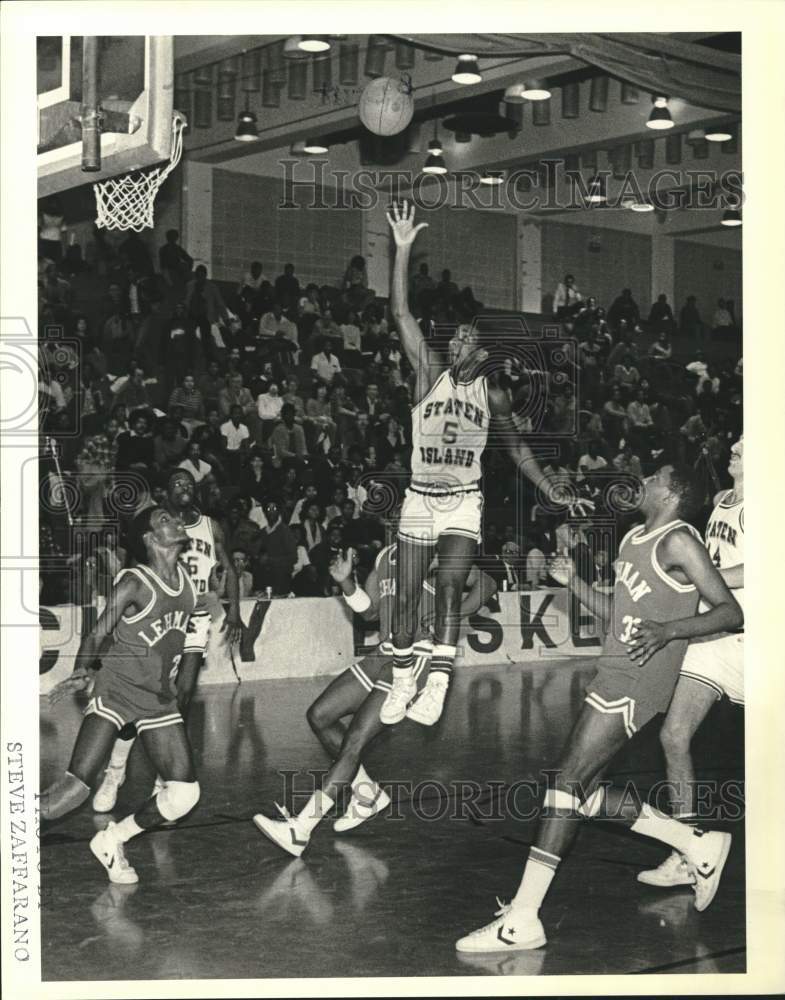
(375, 671)
(121, 702)
(614, 692)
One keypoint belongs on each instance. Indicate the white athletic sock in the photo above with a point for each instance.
(363, 784)
(126, 829)
(120, 752)
(403, 664)
(313, 813)
(537, 877)
(402, 675)
(653, 823)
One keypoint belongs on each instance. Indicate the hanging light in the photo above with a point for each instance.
(292, 50)
(315, 146)
(535, 90)
(596, 190)
(314, 43)
(642, 206)
(434, 165)
(435, 147)
(731, 217)
(660, 117)
(717, 135)
(466, 70)
(491, 177)
(247, 130)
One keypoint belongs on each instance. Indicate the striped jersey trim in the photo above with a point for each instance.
(705, 681)
(544, 858)
(620, 706)
(96, 707)
(436, 490)
(159, 722)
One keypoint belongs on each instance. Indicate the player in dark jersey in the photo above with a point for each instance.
(139, 638)
(661, 571)
(360, 691)
(204, 550)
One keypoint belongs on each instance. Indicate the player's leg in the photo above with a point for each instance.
(456, 555)
(594, 741)
(166, 743)
(95, 737)
(292, 833)
(196, 639)
(342, 697)
(412, 561)
(106, 796)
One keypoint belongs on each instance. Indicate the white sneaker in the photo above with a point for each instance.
(674, 870)
(110, 853)
(282, 832)
(706, 860)
(105, 798)
(398, 697)
(427, 708)
(510, 932)
(361, 810)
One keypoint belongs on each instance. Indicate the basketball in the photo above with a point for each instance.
(386, 106)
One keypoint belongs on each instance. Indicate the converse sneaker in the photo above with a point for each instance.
(706, 860)
(674, 870)
(427, 708)
(398, 697)
(511, 931)
(361, 810)
(283, 832)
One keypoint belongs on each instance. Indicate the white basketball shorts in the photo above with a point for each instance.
(197, 632)
(719, 664)
(426, 516)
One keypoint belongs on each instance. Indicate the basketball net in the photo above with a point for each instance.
(127, 202)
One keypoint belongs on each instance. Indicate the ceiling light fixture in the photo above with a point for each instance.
(492, 177)
(642, 206)
(246, 127)
(314, 43)
(467, 71)
(718, 135)
(660, 117)
(535, 90)
(731, 217)
(315, 146)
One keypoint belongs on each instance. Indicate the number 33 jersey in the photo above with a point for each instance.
(449, 433)
(644, 591)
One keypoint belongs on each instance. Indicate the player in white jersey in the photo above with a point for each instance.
(442, 509)
(205, 549)
(711, 668)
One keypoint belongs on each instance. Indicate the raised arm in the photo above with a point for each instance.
(563, 570)
(232, 622)
(425, 362)
(363, 600)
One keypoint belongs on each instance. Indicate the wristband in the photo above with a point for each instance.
(359, 601)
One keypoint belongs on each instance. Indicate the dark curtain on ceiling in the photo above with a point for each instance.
(661, 64)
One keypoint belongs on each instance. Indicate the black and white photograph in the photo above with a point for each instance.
(373, 469)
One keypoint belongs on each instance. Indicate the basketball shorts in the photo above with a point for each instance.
(375, 671)
(719, 664)
(198, 632)
(426, 516)
(613, 693)
(117, 711)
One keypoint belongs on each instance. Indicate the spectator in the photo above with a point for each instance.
(352, 344)
(275, 322)
(389, 442)
(287, 288)
(211, 384)
(236, 436)
(355, 284)
(614, 415)
(422, 289)
(277, 552)
(175, 263)
(722, 319)
(252, 280)
(170, 445)
(190, 399)
(244, 576)
(312, 522)
(239, 530)
(288, 437)
(624, 307)
(135, 447)
(566, 298)
(446, 290)
(661, 349)
(236, 394)
(205, 307)
(627, 462)
(627, 375)
(318, 411)
(641, 424)
(661, 315)
(322, 555)
(690, 324)
(325, 365)
(194, 463)
(135, 393)
(591, 462)
(269, 404)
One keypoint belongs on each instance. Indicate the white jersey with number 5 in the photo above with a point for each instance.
(200, 556)
(725, 538)
(449, 433)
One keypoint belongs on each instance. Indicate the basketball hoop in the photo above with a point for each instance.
(127, 202)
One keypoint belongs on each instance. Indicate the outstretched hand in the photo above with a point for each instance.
(402, 224)
(562, 569)
(342, 565)
(80, 680)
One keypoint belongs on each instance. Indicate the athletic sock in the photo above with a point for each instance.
(120, 752)
(653, 823)
(403, 664)
(126, 829)
(313, 813)
(363, 785)
(537, 877)
(442, 660)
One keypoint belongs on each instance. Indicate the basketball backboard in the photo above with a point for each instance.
(135, 76)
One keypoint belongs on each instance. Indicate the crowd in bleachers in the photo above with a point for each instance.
(290, 402)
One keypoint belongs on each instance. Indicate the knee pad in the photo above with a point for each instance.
(593, 803)
(66, 794)
(177, 798)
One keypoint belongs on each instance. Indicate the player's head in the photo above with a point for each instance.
(675, 487)
(736, 464)
(466, 352)
(154, 528)
(180, 489)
